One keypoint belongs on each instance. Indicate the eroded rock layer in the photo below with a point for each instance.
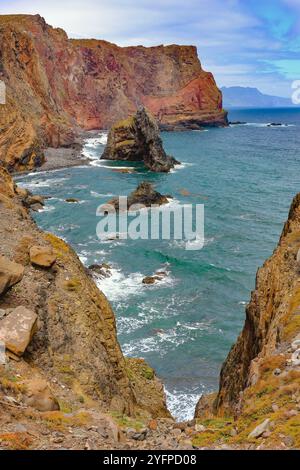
(55, 86)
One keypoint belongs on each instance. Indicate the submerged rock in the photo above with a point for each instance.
(158, 276)
(137, 139)
(145, 195)
(72, 200)
(150, 280)
(101, 270)
(10, 274)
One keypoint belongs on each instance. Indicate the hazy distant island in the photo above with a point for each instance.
(247, 97)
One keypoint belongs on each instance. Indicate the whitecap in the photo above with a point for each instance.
(119, 286)
(181, 166)
(165, 340)
(182, 403)
(33, 184)
(95, 194)
(47, 209)
(262, 124)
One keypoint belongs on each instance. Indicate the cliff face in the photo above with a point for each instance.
(272, 316)
(55, 86)
(260, 379)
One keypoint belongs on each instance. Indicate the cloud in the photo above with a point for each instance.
(240, 41)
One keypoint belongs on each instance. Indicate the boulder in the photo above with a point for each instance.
(42, 256)
(158, 276)
(145, 195)
(72, 200)
(137, 139)
(101, 270)
(296, 358)
(22, 192)
(10, 274)
(17, 329)
(33, 200)
(260, 429)
(38, 395)
(149, 280)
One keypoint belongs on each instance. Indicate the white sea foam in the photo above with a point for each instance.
(67, 227)
(91, 149)
(32, 184)
(47, 209)
(95, 194)
(182, 404)
(163, 341)
(94, 142)
(262, 124)
(103, 164)
(119, 286)
(181, 166)
(182, 243)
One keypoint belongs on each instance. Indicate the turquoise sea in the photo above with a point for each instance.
(246, 176)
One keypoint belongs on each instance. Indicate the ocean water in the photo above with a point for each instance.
(246, 176)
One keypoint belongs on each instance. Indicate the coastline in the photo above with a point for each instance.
(64, 157)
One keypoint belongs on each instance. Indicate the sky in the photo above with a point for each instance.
(243, 42)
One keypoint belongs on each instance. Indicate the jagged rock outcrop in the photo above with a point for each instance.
(74, 338)
(272, 316)
(144, 194)
(259, 392)
(137, 139)
(57, 86)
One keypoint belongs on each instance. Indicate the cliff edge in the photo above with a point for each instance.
(258, 403)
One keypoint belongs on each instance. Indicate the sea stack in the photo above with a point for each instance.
(137, 138)
(144, 194)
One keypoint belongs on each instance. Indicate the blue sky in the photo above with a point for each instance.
(243, 42)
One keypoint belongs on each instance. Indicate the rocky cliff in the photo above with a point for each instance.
(137, 139)
(57, 323)
(57, 86)
(258, 403)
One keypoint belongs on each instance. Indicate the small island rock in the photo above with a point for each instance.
(137, 139)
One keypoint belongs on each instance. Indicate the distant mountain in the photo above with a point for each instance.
(246, 97)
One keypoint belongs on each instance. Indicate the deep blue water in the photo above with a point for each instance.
(246, 176)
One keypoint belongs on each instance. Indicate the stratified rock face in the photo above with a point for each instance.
(272, 327)
(56, 86)
(137, 139)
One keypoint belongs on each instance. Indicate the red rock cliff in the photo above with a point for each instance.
(55, 86)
